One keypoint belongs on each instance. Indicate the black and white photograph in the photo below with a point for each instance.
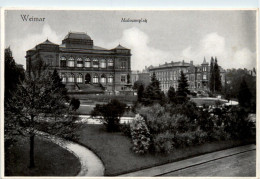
(130, 93)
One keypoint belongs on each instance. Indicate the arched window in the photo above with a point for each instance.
(79, 62)
(71, 62)
(63, 77)
(71, 77)
(79, 78)
(63, 62)
(110, 63)
(110, 79)
(95, 63)
(103, 63)
(87, 78)
(87, 63)
(103, 78)
(95, 78)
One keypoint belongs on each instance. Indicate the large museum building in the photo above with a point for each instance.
(84, 67)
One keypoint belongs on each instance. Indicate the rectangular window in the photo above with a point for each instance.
(110, 63)
(87, 64)
(63, 63)
(123, 65)
(103, 64)
(71, 79)
(95, 63)
(79, 79)
(71, 63)
(123, 79)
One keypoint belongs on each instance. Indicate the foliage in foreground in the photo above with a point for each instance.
(171, 128)
(40, 100)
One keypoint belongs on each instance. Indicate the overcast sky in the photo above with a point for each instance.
(167, 36)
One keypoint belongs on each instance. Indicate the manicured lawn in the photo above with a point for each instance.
(114, 149)
(50, 160)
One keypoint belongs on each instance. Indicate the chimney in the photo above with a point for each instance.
(191, 62)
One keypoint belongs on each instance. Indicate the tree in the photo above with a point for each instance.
(14, 76)
(183, 90)
(234, 79)
(153, 93)
(215, 84)
(109, 114)
(244, 95)
(212, 78)
(217, 78)
(40, 104)
(137, 84)
(140, 93)
(171, 95)
(75, 104)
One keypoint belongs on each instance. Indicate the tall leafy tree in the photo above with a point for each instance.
(40, 104)
(217, 78)
(14, 76)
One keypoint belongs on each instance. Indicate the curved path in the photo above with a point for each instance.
(91, 165)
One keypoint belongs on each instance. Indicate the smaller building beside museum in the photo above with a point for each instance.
(84, 67)
(197, 75)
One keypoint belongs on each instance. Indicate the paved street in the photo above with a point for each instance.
(238, 161)
(237, 165)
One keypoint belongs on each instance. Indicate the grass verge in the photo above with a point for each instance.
(114, 149)
(50, 160)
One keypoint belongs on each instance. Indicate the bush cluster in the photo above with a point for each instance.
(169, 127)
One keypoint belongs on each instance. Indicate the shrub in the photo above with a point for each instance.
(200, 137)
(110, 114)
(182, 140)
(188, 109)
(125, 128)
(140, 135)
(164, 143)
(237, 124)
(74, 103)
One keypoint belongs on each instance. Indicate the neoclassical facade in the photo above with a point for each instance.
(197, 75)
(83, 66)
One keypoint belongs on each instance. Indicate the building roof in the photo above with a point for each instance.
(77, 35)
(47, 42)
(32, 49)
(171, 64)
(204, 62)
(120, 47)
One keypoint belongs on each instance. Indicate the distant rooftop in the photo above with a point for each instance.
(120, 47)
(77, 35)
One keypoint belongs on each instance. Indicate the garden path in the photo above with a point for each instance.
(91, 165)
